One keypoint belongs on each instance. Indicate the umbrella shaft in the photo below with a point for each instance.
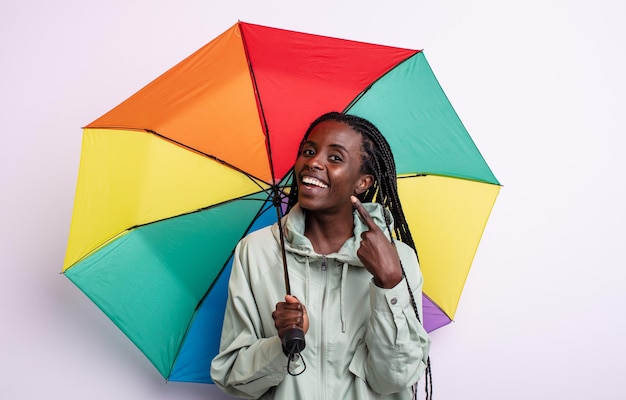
(282, 248)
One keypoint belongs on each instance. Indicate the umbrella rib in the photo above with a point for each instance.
(261, 211)
(424, 174)
(109, 240)
(241, 198)
(268, 146)
(362, 93)
(210, 156)
(434, 303)
(270, 191)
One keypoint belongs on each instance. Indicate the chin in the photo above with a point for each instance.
(308, 204)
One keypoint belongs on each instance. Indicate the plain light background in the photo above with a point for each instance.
(539, 84)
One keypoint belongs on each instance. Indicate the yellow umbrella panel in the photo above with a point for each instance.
(447, 217)
(131, 178)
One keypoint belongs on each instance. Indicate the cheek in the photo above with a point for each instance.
(297, 168)
(342, 180)
(299, 165)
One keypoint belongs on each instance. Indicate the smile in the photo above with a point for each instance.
(307, 180)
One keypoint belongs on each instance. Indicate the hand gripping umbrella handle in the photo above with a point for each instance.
(293, 340)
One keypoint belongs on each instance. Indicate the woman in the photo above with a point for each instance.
(348, 279)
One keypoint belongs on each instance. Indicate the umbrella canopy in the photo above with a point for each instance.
(173, 177)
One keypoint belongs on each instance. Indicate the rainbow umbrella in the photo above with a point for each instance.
(174, 176)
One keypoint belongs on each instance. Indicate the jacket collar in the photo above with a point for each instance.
(297, 243)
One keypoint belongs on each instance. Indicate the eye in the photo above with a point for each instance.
(335, 158)
(308, 152)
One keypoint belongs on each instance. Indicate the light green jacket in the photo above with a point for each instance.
(363, 342)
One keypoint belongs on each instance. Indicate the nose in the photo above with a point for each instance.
(314, 162)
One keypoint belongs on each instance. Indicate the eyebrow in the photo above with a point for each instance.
(333, 145)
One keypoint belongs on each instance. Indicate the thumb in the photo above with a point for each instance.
(291, 299)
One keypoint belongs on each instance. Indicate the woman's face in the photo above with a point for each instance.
(328, 170)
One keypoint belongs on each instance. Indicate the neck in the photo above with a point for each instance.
(328, 233)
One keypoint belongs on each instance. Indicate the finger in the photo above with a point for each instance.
(287, 309)
(291, 299)
(286, 318)
(365, 216)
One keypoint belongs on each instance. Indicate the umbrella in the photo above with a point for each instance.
(174, 176)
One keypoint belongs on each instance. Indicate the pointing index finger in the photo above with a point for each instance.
(365, 216)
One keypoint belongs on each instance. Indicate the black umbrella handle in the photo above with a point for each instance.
(293, 342)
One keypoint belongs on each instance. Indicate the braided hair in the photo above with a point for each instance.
(378, 161)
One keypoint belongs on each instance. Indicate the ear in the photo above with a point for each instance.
(364, 183)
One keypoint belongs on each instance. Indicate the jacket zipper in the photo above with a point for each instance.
(323, 336)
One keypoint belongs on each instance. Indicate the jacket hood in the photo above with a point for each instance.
(300, 245)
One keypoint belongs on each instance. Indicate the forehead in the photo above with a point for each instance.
(335, 133)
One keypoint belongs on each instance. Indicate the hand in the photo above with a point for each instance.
(290, 314)
(377, 253)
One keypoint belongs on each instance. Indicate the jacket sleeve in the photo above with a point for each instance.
(395, 350)
(247, 364)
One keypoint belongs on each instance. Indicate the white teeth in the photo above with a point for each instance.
(313, 181)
